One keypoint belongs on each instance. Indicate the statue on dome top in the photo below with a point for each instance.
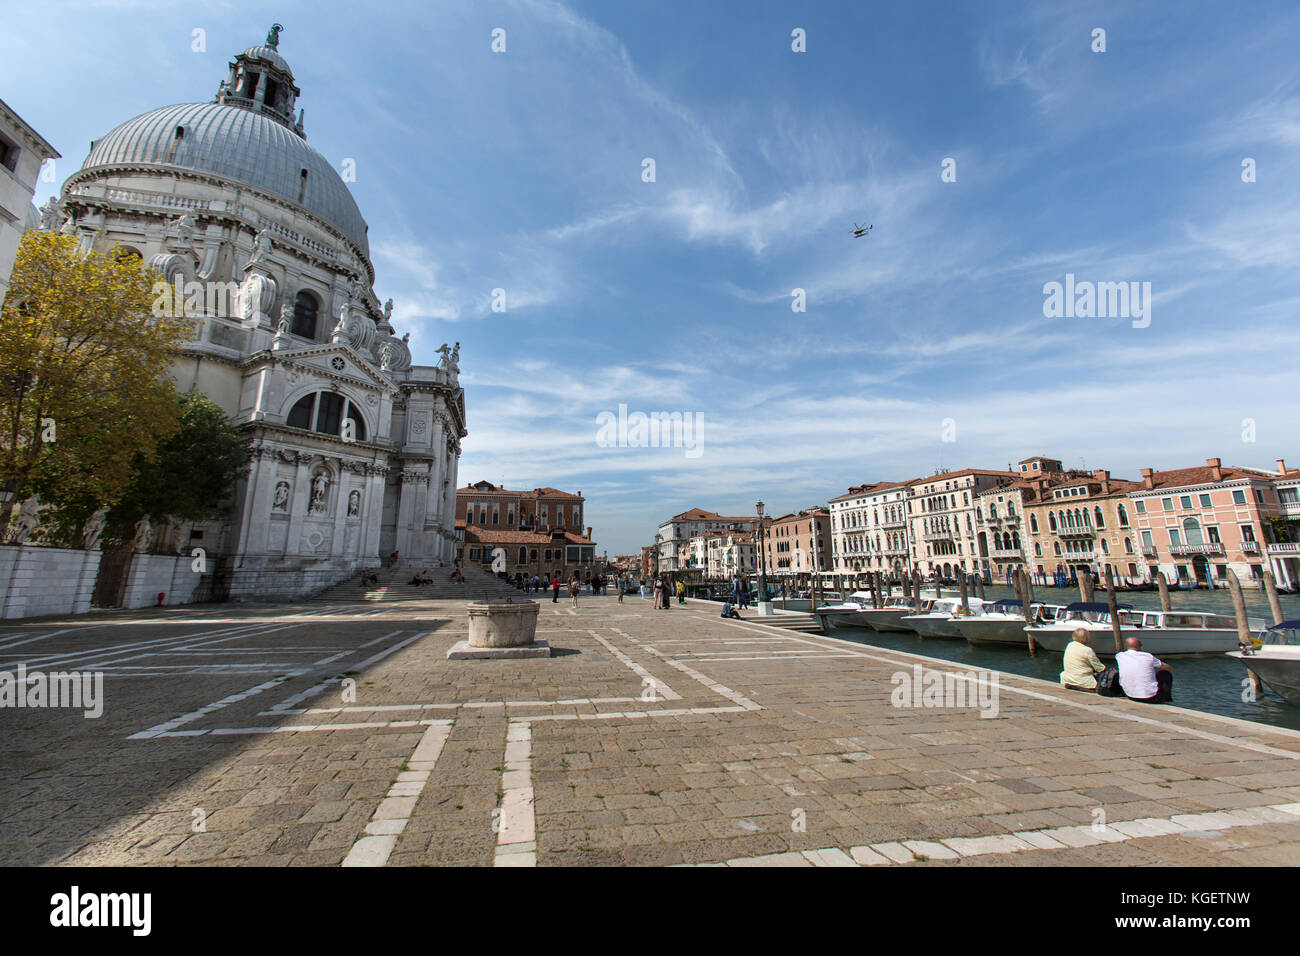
(273, 36)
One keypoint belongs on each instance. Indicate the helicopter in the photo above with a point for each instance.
(859, 231)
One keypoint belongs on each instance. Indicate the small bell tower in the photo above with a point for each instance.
(259, 79)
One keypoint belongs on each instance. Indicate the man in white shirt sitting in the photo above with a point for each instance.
(1144, 677)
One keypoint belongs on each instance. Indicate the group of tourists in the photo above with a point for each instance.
(422, 578)
(1137, 675)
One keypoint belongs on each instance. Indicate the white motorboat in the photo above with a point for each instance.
(846, 614)
(1277, 660)
(1162, 633)
(890, 617)
(940, 620)
(1003, 623)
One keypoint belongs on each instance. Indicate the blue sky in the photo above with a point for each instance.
(523, 171)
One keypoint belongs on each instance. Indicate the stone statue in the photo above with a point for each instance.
(455, 358)
(262, 247)
(273, 37)
(445, 351)
(50, 214)
(319, 489)
(281, 497)
(143, 535)
(286, 320)
(180, 536)
(406, 338)
(183, 227)
(29, 517)
(69, 225)
(356, 291)
(388, 311)
(93, 530)
(387, 356)
(354, 504)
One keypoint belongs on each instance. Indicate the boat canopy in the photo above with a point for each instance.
(1093, 607)
(1286, 626)
(1008, 602)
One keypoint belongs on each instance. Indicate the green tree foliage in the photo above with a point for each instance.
(84, 391)
(189, 477)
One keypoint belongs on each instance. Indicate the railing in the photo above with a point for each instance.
(1149, 551)
(1006, 554)
(893, 522)
(1180, 550)
(1283, 547)
(1084, 532)
(1250, 547)
(938, 535)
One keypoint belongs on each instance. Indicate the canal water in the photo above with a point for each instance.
(1211, 684)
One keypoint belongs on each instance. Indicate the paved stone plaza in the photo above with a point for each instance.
(234, 735)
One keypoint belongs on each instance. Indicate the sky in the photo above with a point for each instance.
(992, 148)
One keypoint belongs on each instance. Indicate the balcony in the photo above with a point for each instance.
(1188, 550)
(938, 536)
(893, 522)
(1084, 532)
(1006, 554)
(1149, 551)
(1250, 547)
(1284, 548)
(894, 549)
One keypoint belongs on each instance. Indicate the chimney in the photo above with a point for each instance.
(589, 533)
(1216, 469)
(1281, 467)
(1147, 480)
(1102, 475)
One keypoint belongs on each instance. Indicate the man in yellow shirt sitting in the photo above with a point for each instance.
(1081, 663)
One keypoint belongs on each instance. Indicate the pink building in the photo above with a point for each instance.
(1195, 523)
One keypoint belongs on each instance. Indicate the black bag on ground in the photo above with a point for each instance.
(1108, 683)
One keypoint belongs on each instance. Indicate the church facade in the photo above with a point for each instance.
(353, 449)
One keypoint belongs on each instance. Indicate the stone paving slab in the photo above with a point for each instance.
(329, 735)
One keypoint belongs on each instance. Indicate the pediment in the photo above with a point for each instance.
(328, 360)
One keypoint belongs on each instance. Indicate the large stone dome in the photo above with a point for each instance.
(237, 144)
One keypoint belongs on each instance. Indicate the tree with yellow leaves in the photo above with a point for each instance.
(84, 385)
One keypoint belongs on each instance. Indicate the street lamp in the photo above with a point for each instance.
(763, 607)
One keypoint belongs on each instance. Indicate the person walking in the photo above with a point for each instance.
(555, 588)
(641, 589)
(574, 587)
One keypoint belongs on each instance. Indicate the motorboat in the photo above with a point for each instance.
(1276, 660)
(940, 620)
(1003, 622)
(848, 613)
(890, 617)
(1162, 633)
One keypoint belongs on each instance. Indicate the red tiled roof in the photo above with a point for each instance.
(1200, 475)
(486, 536)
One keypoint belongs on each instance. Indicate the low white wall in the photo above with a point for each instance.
(171, 575)
(38, 580)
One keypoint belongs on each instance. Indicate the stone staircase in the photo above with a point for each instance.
(396, 586)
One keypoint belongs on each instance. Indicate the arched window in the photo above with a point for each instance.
(325, 412)
(1123, 516)
(1051, 521)
(1033, 523)
(1128, 545)
(305, 307)
(1098, 518)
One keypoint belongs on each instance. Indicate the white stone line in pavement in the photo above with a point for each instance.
(768, 657)
(691, 672)
(639, 714)
(516, 821)
(660, 687)
(371, 708)
(298, 728)
(394, 811)
(1058, 838)
(167, 727)
(83, 655)
(28, 640)
(285, 705)
(1094, 709)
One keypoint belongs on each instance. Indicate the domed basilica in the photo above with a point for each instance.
(354, 450)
